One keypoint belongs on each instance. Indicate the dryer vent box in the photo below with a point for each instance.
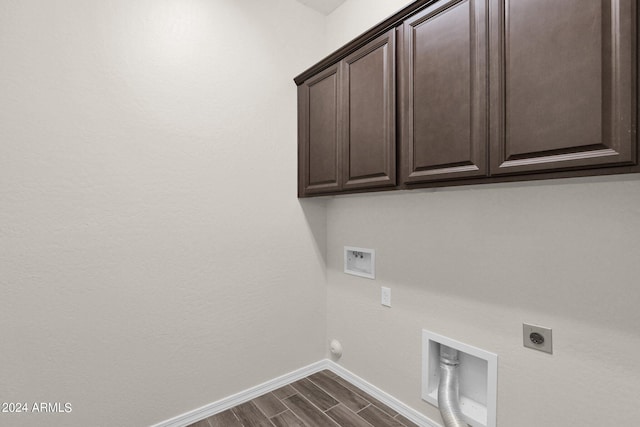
(478, 375)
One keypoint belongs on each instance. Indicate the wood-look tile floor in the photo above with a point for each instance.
(320, 400)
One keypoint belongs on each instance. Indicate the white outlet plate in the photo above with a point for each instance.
(386, 297)
(360, 262)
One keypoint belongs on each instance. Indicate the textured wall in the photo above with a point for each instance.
(354, 17)
(473, 263)
(153, 255)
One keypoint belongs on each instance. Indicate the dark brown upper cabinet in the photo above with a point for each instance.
(444, 92)
(487, 91)
(347, 122)
(369, 82)
(563, 84)
(320, 133)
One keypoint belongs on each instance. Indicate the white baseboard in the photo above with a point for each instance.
(242, 397)
(253, 392)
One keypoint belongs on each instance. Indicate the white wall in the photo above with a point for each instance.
(474, 263)
(153, 255)
(354, 17)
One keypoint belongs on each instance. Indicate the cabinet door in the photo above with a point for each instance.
(444, 92)
(369, 114)
(319, 128)
(563, 84)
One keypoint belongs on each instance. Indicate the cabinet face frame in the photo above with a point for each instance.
(305, 186)
(386, 175)
(475, 164)
(618, 145)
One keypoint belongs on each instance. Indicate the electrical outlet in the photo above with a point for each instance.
(386, 297)
(537, 338)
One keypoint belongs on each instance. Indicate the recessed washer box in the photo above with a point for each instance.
(478, 376)
(360, 262)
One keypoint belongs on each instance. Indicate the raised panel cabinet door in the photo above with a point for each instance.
(369, 114)
(563, 84)
(444, 92)
(319, 127)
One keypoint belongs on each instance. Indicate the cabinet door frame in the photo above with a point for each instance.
(618, 146)
(477, 164)
(304, 138)
(386, 177)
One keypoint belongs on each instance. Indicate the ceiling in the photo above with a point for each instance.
(323, 6)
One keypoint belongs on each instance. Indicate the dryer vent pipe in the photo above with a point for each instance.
(448, 389)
